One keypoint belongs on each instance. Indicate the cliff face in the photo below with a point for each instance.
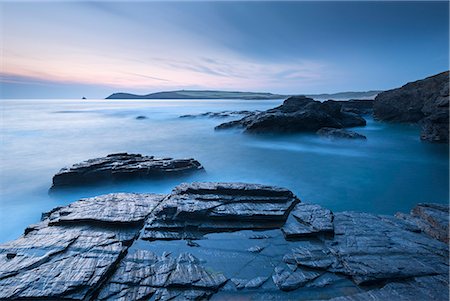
(425, 101)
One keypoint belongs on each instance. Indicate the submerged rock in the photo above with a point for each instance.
(425, 101)
(298, 114)
(122, 166)
(339, 133)
(222, 114)
(98, 249)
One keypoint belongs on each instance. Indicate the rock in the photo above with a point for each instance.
(425, 101)
(96, 249)
(419, 288)
(432, 219)
(371, 248)
(142, 273)
(192, 210)
(339, 133)
(308, 220)
(357, 106)
(222, 114)
(298, 114)
(140, 117)
(255, 249)
(122, 166)
(71, 261)
(292, 280)
(114, 209)
(192, 243)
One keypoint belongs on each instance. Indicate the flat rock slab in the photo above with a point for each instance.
(74, 249)
(122, 166)
(192, 210)
(308, 219)
(99, 249)
(142, 274)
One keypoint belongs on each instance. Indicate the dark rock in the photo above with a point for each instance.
(433, 219)
(370, 248)
(358, 106)
(140, 117)
(292, 280)
(93, 249)
(72, 261)
(192, 210)
(420, 288)
(142, 273)
(306, 220)
(122, 166)
(339, 133)
(222, 114)
(298, 114)
(192, 243)
(425, 101)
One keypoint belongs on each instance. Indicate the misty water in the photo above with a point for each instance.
(390, 172)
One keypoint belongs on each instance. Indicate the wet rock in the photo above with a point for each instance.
(92, 249)
(181, 276)
(298, 114)
(140, 117)
(192, 210)
(369, 248)
(425, 101)
(192, 243)
(71, 259)
(255, 249)
(306, 220)
(115, 208)
(420, 288)
(222, 114)
(122, 166)
(291, 280)
(432, 219)
(339, 133)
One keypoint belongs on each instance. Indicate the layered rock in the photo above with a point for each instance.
(298, 114)
(122, 166)
(74, 250)
(429, 218)
(98, 249)
(192, 210)
(425, 101)
(339, 133)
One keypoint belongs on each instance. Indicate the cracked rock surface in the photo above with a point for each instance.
(122, 166)
(251, 242)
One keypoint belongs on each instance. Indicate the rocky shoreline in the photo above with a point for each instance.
(224, 240)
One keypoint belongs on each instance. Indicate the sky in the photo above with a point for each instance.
(71, 49)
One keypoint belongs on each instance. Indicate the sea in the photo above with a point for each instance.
(389, 172)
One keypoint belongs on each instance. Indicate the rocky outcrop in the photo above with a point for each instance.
(425, 101)
(429, 218)
(339, 133)
(122, 166)
(98, 249)
(221, 114)
(357, 106)
(193, 210)
(298, 114)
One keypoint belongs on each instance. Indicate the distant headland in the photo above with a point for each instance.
(210, 94)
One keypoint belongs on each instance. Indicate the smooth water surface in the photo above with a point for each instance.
(391, 171)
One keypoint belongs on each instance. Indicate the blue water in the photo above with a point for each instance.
(391, 171)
